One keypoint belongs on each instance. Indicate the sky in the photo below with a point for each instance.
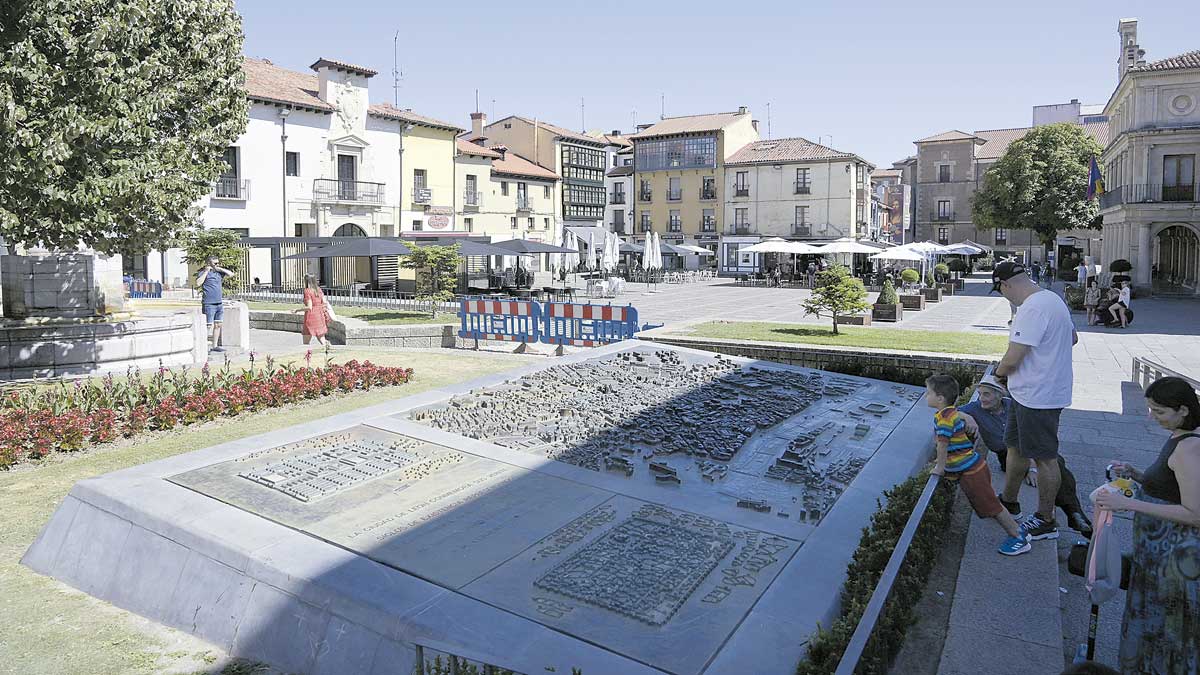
(860, 77)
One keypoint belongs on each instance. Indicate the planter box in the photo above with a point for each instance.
(887, 312)
(932, 294)
(912, 301)
(960, 284)
(855, 320)
(947, 287)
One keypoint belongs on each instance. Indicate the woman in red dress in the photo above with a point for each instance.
(315, 317)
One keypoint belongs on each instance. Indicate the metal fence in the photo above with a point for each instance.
(348, 297)
(1146, 371)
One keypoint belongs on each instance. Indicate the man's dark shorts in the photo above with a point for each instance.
(214, 312)
(1032, 431)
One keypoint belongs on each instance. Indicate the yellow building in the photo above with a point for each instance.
(678, 188)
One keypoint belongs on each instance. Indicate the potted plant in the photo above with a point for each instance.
(911, 298)
(941, 272)
(1120, 269)
(931, 291)
(958, 266)
(887, 306)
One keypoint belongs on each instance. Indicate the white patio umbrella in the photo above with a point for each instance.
(898, 253)
(698, 250)
(611, 252)
(592, 262)
(847, 247)
(648, 258)
(772, 245)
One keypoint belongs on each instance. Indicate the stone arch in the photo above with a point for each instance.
(1176, 258)
(349, 230)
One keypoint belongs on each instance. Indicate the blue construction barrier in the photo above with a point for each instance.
(555, 323)
(143, 288)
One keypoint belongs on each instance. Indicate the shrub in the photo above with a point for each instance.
(204, 244)
(1120, 266)
(941, 268)
(36, 422)
(986, 262)
(837, 294)
(888, 295)
(910, 276)
(929, 280)
(875, 547)
(957, 265)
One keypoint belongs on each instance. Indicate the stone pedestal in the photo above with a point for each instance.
(61, 285)
(235, 327)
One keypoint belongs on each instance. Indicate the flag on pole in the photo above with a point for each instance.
(1095, 180)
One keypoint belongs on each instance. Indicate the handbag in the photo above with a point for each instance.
(329, 314)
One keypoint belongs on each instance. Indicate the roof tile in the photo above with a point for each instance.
(466, 147)
(361, 70)
(391, 112)
(1178, 62)
(266, 81)
(785, 150)
(996, 141)
(516, 165)
(952, 135)
(690, 124)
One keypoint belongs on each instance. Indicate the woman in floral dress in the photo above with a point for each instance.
(1160, 632)
(315, 316)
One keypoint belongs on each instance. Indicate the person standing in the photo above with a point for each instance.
(1039, 374)
(209, 280)
(990, 412)
(1036, 272)
(316, 312)
(1160, 631)
(1081, 273)
(1091, 299)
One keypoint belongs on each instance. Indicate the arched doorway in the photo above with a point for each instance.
(1176, 260)
(344, 272)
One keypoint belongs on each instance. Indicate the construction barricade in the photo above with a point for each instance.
(564, 324)
(143, 288)
(583, 325)
(505, 320)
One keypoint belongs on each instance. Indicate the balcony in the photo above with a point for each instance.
(617, 226)
(740, 228)
(708, 194)
(231, 188)
(942, 217)
(708, 225)
(741, 190)
(332, 190)
(616, 198)
(472, 199)
(1150, 193)
(645, 227)
(801, 188)
(524, 203)
(674, 195)
(675, 226)
(645, 196)
(802, 229)
(422, 195)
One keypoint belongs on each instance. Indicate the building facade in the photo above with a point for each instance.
(895, 197)
(1151, 203)
(791, 188)
(679, 180)
(618, 183)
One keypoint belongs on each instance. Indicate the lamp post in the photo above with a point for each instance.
(283, 115)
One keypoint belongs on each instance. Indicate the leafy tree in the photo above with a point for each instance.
(957, 265)
(888, 295)
(113, 118)
(941, 270)
(837, 293)
(910, 276)
(199, 246)
(1040, 183)
(437, 272)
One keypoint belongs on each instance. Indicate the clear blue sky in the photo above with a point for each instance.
(873, 78)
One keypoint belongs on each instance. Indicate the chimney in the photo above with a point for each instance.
(643, 127)
(478, 122)
(754, 123)
(1131, 54)
(500, 149)
(742, 110)
(615, 132)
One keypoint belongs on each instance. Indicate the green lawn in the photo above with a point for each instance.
(950, 342)
(46, 627)
(373, 316)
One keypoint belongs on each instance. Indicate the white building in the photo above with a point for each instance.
(1151, 203)
(618, 184)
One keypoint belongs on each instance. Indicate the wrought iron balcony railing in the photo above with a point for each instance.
(941, 217)
(675, 227)
(422, 195)
(1150, 193)
(645, 227)
(708, 226)
(740, 228)
(472, 198)
(523, 203)
(645, 195)
(802, 229)
(709, 194)
(616, 198)
(674, 195)
(741, 190)
(802, 188)
(231, 188)
(333, 190)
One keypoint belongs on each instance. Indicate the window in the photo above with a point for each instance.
(708, 187)
(291, 161)
(803, 181)
(531, 226)
(645, 222)
(645, 193)
(545, 223)
(731, 254)
(418, 225)
(618, 217)
(943, 173)
(546, 191)
(943, 210)
(708, 220)
(674, 224)
(228, 184)
(420, 179)
(677, 153)
(1001, 235)
(1179, 176)
(741, 184)
(674, 193)
(469, 223)
(514, 222)
(943, 235)
(801, 215)
(471, 195)
(741, 218)
(504, 188)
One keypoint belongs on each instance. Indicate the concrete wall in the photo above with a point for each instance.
(432, 335)
(61, 285)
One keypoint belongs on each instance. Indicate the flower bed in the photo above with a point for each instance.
(64, 418)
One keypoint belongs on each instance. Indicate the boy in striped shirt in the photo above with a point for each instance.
(957, 460)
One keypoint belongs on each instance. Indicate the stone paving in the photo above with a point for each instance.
(1106, 421)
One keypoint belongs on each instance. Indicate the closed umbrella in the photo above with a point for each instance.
(592, 262)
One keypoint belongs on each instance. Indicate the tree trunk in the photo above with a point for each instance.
(835, 330)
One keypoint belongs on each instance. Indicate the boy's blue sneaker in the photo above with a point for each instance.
(1016, 545)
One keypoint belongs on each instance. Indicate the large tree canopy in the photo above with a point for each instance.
(1040, 183)
(113, 117)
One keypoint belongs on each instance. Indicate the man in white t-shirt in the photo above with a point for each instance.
(1039, 376)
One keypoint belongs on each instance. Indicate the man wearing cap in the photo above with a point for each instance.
(1037, 367)
(990, 412)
